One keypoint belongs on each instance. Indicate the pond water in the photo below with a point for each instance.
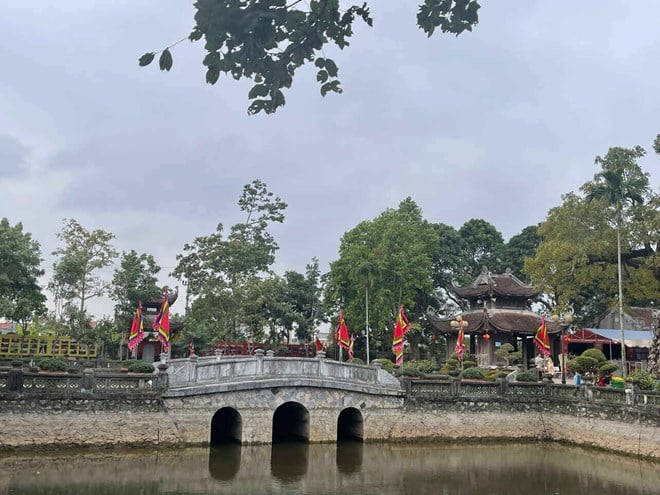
(345, 468)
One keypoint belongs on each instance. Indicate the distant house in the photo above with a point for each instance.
(605, 334)
(7, 327)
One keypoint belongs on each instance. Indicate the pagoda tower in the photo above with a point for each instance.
(499, 312)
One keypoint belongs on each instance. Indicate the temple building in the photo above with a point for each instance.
(150, 349)
(499, 312)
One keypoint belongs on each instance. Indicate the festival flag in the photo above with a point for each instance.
(459, 349)
(137, 330)
(350, 349)
(318, 344)
(162, 323)
(541, 339)
(401, 326)
(341, 332)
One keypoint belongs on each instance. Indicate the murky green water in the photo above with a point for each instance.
(418, 469)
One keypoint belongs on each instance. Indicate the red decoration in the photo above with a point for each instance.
(486, 336)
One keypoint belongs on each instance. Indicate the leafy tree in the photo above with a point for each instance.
(75, 280)
(222, 273)
(577, 258)
(520, 247)
(21, 298)
(268, 40)
(302, 292)
(134, 280)
(392, 254)
(483, 245)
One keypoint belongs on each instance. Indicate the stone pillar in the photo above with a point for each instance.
(88, 381)
(322, 370)
(193, 368)
(503, 386)
(377, 367)
(218, 354)
(270, 353)
(259, 355)
(163, 378)
(15, 381)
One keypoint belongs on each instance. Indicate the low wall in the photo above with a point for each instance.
(441, 411)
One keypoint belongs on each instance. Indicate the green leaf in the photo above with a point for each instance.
(331, 67)
(257, 91)
(322, 76)
(331, 86)
(165, 61)
(212, 75)
(319, 62)
(146, 59)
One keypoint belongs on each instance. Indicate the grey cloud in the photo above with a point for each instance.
(13, 157)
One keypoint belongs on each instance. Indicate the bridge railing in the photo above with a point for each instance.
(17, 381)
(218, 369)
(429, 389)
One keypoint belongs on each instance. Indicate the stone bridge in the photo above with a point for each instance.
(263, 398)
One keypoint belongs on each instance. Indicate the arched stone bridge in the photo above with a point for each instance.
(263, 399)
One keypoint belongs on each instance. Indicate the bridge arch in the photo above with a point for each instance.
(291, 423)
(350, 425)
(226, 427)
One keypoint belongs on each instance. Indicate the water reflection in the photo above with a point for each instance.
(289, 460)
(345, 468)
(225, 461)
(349, 456)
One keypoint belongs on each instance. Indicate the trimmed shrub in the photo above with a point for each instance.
(454, 372)
(607, 368)
(657, 386)
(596, 354)
(642, 379)
(387, 365)
(409, 369)
(527, 376)
(473, 373)
(141, 367)
(426, 366)
(127, 363)
(52, 364)
(468, 364)
(586, 364)
(452, 363)
(358, 361)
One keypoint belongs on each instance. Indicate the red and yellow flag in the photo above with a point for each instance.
(350, 349)
(137, 330)
(162, 323)
(541, 339)
(401, 326)
(459, 348)
(341, 333)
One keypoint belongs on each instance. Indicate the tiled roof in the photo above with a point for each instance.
(496, 320)
(503, 284)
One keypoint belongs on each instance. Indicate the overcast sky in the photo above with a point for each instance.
(495, 124)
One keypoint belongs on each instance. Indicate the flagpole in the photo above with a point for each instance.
(366, 297)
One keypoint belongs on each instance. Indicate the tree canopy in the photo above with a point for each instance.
(75, 273)
(577, 259)
(21, 297)
(268, 40)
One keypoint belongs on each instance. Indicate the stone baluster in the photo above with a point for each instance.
(88, 380)
(377, 367)
(163, 378)
(322, 368)
(259, 356)
(193, 367)
(15, 380)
